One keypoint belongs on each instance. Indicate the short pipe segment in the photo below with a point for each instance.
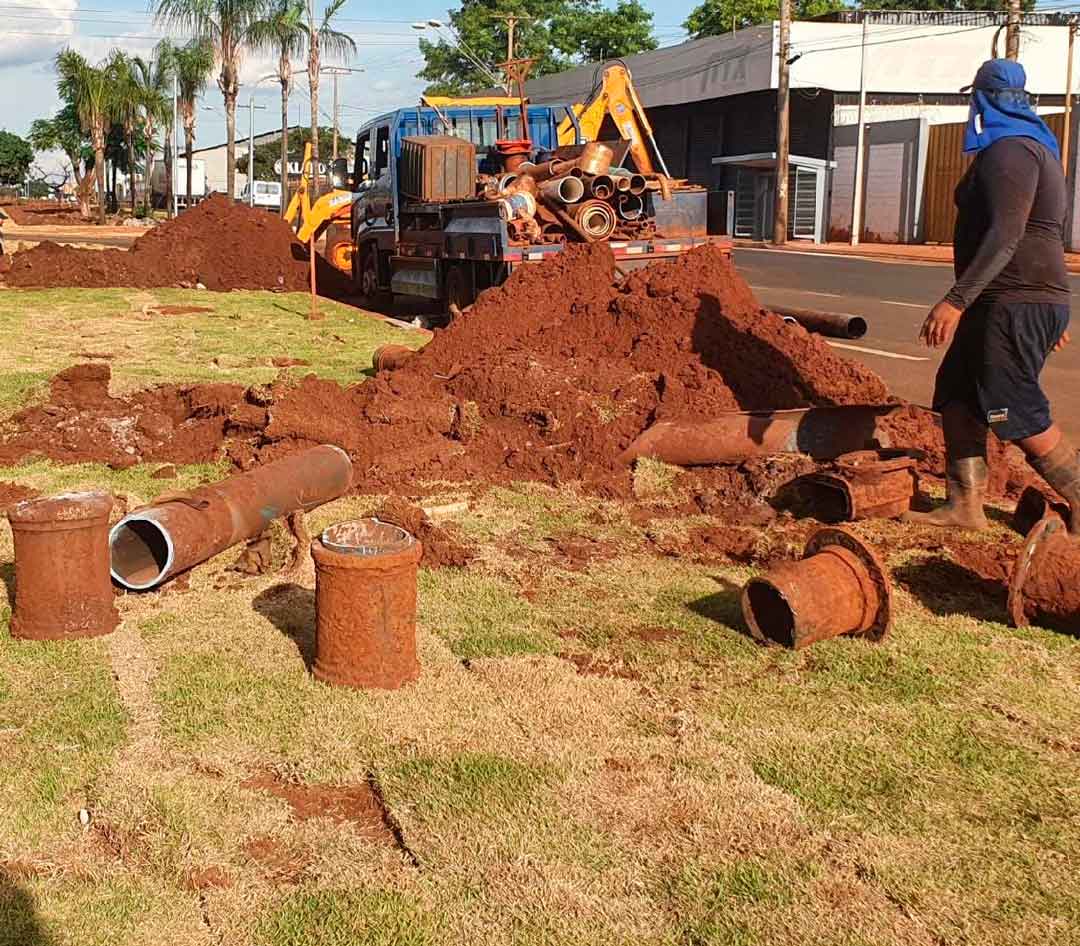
(565, 190)
(631, 207)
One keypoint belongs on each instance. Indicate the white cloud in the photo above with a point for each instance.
(39, 35)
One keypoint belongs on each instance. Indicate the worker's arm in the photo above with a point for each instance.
(1008, 175)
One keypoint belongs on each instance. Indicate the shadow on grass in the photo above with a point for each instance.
(946, 589)
(291, 609)
(723, 606)
(7, 575)
(19, 923)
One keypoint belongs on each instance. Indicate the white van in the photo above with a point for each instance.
(267, 194)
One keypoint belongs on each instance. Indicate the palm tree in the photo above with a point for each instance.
(283, 32)
(152, 79)
(64, 132)
(193, 63)
(92, 90)
(225, 24)
(128, 96)
(322, 38)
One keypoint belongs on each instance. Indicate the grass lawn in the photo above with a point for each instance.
(595, 752)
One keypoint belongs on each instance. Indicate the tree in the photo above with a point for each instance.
(282, 31)
(714, 17)
(193, 63)
(16, 156)
(225, 24)
(555, 33)
(64, 132)
(92, 91)
(152, 80)
(590, 32)
(322, 38)
(128, 108)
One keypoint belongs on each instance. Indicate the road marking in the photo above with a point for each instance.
(837, 295)
(900, 260)
(876, 351)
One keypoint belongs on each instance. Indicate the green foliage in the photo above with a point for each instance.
(63, 132)
(556, 33)
(270, 151)
(992, 6)
(346, 917)
(714, 17)
(16, 155)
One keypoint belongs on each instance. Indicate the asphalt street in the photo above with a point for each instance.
(894, 299)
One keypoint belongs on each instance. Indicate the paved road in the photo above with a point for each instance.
(894, 299)
(83, 236)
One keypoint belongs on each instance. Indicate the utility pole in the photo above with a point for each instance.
(860, 145)
(1012, 31)
(1066, 137)
(511, 20)
(783, 142)
(174, 204)
(337, 120)
(251, 147)
(336, 71)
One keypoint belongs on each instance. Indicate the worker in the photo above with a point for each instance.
(1009, 306)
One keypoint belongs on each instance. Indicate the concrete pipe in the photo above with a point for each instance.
(839, 588)
(365, 605)
(157, 543)
(602, 186)
(62, 587)
(631, 207)
(1043, 589)
(596, 218)
(563, 190)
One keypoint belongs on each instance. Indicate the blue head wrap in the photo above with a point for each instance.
(1000, 108)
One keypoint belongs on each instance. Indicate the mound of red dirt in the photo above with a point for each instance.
(440, 547)
(39, 214)
(219, 244)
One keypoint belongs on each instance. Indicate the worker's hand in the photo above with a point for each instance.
(1063, 341)
(940, 325)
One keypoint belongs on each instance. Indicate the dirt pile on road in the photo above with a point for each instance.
(82, 422)
(219, 244)
(43, 213)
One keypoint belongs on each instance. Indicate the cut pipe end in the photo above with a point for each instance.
(141, 552)
(768, 613)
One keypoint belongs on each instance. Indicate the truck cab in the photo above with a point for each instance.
(451, 250)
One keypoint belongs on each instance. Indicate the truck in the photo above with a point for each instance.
(434, 210)
(198, 181)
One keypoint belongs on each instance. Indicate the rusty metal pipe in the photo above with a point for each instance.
(163, 540)
(638, 184)
(602, 186)
(823, 433)
(631, 207)
(390, 357)
(549, 169)
(595, 158)
(596, 218)
(564, 190)
(831, 324)
(839, 587)
(1043, 588)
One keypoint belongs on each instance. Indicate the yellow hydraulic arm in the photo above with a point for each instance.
(616, 96)
(330, 209)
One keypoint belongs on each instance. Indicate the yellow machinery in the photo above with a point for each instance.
(330, 213)
(616, 96)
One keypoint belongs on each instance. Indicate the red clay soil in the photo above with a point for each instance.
(43, 213)
(441, 549)
(219, 244)
(12, 493)
(82, 422)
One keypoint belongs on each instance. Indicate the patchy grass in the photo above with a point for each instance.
(595, 752)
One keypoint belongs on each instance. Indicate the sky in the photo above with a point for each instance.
(32, 31)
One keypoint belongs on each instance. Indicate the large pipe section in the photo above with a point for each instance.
(549, 169)
(156, 543)
(596, 218)
(602, 186)
(564, 190)
(839, 588)
(823, 433)
(1043, 588)
(831, 324)
(631, 207)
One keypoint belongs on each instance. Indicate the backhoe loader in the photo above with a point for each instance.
(329, 214)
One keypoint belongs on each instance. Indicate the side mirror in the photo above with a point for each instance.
(339, 172)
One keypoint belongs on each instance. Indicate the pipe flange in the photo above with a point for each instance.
(1046, 527)
(821, 541)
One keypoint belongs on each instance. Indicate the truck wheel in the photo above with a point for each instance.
(369, 280)
(459, 288)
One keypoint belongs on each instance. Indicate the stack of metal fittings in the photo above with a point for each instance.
(62, 587)
(866, 484)
(1044, 588)
(162, 540)
(365, 605)
(840, 587)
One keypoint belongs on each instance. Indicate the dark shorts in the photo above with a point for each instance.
(994, 362)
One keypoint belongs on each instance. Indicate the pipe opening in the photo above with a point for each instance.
(857, 327)
(771, 613)
(366, 537)
(140, 552)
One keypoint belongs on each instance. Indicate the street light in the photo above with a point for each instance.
(458, 43)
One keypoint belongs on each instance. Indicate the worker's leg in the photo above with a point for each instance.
(956, 397)
(1017, 348)
(1055, 459)
(966, 471)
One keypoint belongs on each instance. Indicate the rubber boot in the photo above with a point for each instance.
(1061, 469)
(966, 474)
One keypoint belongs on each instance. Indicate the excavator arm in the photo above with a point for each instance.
(616, 96)
(332, 209)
